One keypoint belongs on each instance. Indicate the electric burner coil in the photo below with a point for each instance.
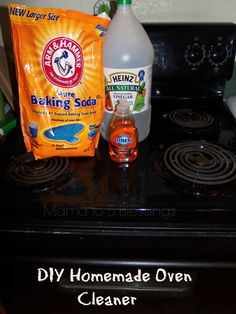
(200, 163)
(191, 118)
(44, 174)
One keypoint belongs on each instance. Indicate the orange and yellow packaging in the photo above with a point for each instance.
(58, 56)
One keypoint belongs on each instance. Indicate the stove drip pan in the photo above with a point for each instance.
(191, 118)
(39, 175)
(189, 124)
(197, 167)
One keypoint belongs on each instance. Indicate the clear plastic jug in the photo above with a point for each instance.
(128, 58)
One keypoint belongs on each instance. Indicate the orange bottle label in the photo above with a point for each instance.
(123, 139)
(123, 144)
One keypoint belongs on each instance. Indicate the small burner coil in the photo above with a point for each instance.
(191, 118)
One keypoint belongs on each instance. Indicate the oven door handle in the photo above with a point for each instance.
(122, 262)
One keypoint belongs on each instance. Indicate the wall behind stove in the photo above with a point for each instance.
(230, 89)
(145, 10)
(185, 10)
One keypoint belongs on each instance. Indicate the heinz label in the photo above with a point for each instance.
(133, 85)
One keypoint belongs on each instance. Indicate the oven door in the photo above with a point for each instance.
(210, 289)
(108, 273)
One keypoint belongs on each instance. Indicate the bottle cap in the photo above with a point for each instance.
(124, 1)
(122, 108)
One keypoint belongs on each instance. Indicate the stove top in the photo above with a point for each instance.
(190, 181)
(196, 160)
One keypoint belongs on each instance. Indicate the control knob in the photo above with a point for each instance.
(194, 55)
(218, 55)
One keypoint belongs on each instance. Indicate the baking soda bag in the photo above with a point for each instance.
(58, 56)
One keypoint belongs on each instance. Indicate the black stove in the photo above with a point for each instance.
(182, 188)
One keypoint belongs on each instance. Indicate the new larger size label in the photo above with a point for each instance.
(133, 85)
(62, 62)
